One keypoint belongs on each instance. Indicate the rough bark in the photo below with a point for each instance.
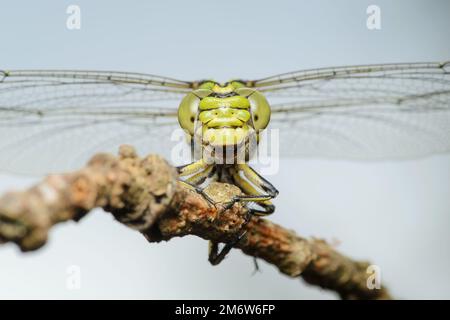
(143, 194)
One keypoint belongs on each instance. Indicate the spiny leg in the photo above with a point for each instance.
(256, 266)
(198, 171)
(215, 257)
(251, 194)
(200, 177)
(192, 168)
(258, 180)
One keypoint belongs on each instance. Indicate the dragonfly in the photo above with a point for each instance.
(53, 120)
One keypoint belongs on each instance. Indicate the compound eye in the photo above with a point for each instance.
(187, 112)
(260, 108)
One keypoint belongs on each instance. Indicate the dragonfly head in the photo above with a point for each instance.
(226, 113)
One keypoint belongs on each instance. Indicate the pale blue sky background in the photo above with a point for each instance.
(396, 214)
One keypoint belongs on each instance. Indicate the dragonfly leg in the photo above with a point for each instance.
(214, 256)
(197, 172)
(251, 193)
(192, 168)
(256, 266)
(255, 178)
(199, 190)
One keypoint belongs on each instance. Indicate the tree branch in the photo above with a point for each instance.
(143, 194)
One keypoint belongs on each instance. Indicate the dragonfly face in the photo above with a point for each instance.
(224, 116)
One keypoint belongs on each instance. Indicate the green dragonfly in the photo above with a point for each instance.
(53, 120)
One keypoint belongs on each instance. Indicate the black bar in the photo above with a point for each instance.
(219, 309)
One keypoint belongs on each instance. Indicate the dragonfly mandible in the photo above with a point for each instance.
(52, 120)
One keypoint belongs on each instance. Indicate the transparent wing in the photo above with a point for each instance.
(362, 112)
(56, 120)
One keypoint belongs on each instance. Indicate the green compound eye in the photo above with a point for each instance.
(259, 107)
(187, 112)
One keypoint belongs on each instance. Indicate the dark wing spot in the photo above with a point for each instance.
(256, 117)
(192, 119)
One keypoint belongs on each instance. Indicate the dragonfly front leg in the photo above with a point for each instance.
(214, 256)
(251, 193)
(197, 173)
